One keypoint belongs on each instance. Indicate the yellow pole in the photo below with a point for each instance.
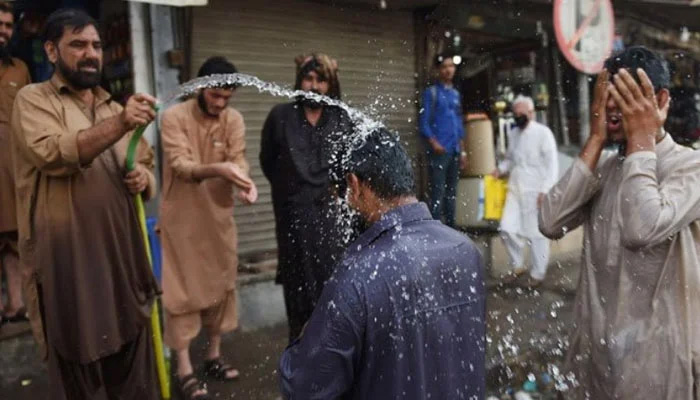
(155, 321)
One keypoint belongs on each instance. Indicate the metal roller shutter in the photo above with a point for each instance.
(375, 53)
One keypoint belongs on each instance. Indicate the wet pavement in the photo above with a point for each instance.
(527, 336)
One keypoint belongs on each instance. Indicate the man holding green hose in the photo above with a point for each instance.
(77, 223)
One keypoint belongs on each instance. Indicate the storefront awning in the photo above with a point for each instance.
(177, 3)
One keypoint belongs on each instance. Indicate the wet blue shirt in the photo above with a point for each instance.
(443, 119)
(402, 318)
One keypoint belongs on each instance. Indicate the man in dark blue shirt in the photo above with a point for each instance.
(441, 126)
(403, 315)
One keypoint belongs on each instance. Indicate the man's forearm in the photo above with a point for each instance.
(202, 172)
(93, 141)
(591, 152)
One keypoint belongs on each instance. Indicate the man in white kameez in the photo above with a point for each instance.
(532, 166)
(637, 330)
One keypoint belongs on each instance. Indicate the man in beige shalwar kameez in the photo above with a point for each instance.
(204, 151)
(637, 332)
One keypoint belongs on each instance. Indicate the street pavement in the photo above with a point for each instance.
(527, 335)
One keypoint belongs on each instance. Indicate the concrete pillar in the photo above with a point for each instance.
(143, 76)
(163, 40)
(141, 56)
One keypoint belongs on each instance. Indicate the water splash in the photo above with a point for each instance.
(363, 124)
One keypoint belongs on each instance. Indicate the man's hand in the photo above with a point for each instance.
(641, 117)
(601, 94)
(234, 174)
(598, 138)
(437, 147)
(249, 196)
(496, 173)
(463, 162)
(138, 111)
(137, 180)
(540, 199)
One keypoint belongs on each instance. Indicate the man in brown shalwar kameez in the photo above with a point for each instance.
(204, 154)
(77, 222)
(14, 75)
(637, 332)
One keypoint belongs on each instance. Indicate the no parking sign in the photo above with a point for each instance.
(585, 31)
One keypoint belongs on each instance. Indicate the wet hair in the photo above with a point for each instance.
(641, 57)
(324, 66)
(440, 58)
(67, 17)
(383, 164)
(218, 65)
(5, 7)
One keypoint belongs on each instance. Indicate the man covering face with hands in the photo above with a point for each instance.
(636, 329)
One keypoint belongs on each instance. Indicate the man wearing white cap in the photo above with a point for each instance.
(532, 169)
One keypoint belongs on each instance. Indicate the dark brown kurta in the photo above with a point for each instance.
(79, 228)
(128, 374)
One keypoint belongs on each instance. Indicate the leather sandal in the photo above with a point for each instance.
(20, 316)
(216, 369)
(189, 385)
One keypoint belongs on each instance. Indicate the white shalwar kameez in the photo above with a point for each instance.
(532, 165)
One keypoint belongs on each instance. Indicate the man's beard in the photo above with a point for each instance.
(81, 80)
(204, 107)
(5, 56)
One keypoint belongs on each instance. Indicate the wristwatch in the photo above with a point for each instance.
(463, 154)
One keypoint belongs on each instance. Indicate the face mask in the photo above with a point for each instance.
(521, 121)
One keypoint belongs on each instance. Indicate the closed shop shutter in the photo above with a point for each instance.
(375, 53)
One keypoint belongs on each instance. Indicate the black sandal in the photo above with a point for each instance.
(189, 384)
(20, 316)
(215, 369)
